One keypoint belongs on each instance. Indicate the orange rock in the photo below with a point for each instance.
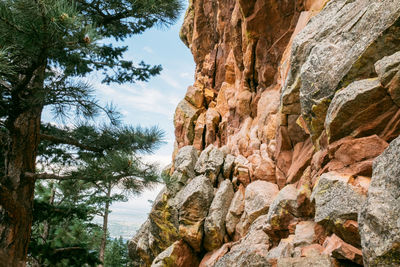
(199, 128)
(195, 96)
(212, 257)
(212, 119)
(179, 254)
(301, 158)
(336, 247)
(310, 250)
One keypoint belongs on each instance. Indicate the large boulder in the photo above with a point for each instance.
(185, 161)
(214, 225)
(338, 249)
(193, 203)
(379, 217)
(307, 233)
(259, 196)
(235, 211)
(158, 232)
(288, 205)
(337, 201)
(179, 254)
(388, 69)
(184, 121)
(139, 248)
(283, 250)
(251, 250)
(314, 261)
(228, 166)
(338, 46)
(362, 108)
(210, 163)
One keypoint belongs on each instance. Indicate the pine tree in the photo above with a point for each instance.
(62, 232)
(117, 253)
(46, 48)
(107, 157)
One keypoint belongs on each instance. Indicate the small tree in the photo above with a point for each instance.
(117, 253)
(105, 158)
(62, 231)
(46, 47)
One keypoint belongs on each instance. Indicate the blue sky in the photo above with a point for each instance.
(151, 103)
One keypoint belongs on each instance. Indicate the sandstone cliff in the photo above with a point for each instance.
(287, 148)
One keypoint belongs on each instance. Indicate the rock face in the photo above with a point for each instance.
(214, 225)
(336, 203)
(277, 141)
(193, 203)
(380, 215)
(178, 254)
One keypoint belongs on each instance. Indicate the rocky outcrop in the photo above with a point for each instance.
(193, 203)
(286, 143)
(380, 215)
(214, 225)
(178, 254)
(337, 204)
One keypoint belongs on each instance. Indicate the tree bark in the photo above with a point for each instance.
(17, 190)
(46, 225)
(105, 225)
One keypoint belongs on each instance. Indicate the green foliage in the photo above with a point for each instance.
(169, 180)
(62, 232)
(69, 40)
(47, 48)
(93, 160)
(117, 253)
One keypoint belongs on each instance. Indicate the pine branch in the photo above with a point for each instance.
(69, 141)
(50, 176)
(60, 250)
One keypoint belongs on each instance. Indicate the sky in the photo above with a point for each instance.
(149, 103)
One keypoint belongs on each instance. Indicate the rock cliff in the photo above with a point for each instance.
(287, 150)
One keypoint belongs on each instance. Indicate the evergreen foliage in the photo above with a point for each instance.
(62, 231)
(47, 48)
(117, 253)
(84, 164)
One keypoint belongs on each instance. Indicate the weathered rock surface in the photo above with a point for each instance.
(307, 233)
(184, 120)
(210, 163)
(157, 233)
(337, 248)
(289, 205)
(379, 217)
(193, 204)
(259, 196)
(185, 161)
(355, 107)
(315, 261)
(299, 96)
(338, 45)
(336, 202)
(211, 258)
(214, 225)
(252, 250)
(179, 254)
(235, 211)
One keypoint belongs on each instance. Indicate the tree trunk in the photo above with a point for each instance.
(16, 190)
(46, 225)
(105, 224)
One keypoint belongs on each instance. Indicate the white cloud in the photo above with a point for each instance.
(171, 81)
(184, 75)
(148, 50)
(162, 160)
(142, 98)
